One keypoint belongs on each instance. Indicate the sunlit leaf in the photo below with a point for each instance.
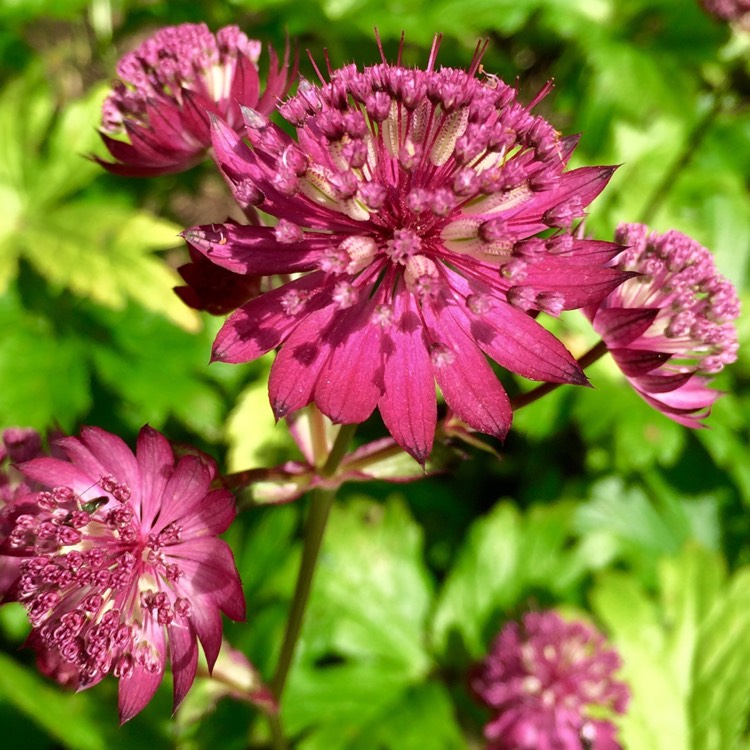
(685, 653)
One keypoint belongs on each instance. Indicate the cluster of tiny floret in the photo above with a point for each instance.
(414, 163)
(77, 585)
(541, 680)
(729, 10)
(697, 305)
(175, 57)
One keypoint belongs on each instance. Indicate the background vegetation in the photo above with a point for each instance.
(598, 504)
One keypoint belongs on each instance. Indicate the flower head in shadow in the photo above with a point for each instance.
(550, 686)
(171, 84)
(734, 11)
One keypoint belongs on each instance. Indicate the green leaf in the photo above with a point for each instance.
(365, 706)
(338, 704)
(43, 150)
(504, 558)
(104, 251)
(96, 247)
(627, 515)
(727, 442)
(635, 435)
(254, 436)
(62, 715)
(721, 694)
(371, 572)
(158, 370)
(81, 721)
(685, 655)
(642, 528)
(44, 377)
(485, 578)
(422, 716)
(363, 652)
(657, 716)
(23, 11)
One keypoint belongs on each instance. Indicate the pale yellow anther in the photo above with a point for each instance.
(361, 250)
(419, 268)
(315, 185)
(391, 132)
(498, 202)
(451, 129)
(420, 117)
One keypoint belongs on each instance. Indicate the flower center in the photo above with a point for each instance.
(405, 244)
(81, 587)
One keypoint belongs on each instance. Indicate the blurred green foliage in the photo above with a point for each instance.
(609, 510)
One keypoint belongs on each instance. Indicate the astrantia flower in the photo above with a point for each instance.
(171, 83)
(409, 203)
(123, 571)
(550, 685)
(670, 328)
(729, 10)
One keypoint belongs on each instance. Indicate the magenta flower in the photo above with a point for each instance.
(171, 84)
(550, 686)
(729, 10)
(123, 571)
(408, 207)
(670, 328)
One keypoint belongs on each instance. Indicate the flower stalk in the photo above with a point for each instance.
(524, 399)
(321, 501)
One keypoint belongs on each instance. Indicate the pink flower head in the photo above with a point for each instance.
(171, 83)
(123, 571)
(550, 685)
(729, 10)
(670, 328)
(408, 207)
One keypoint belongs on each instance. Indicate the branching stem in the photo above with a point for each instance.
(524, 399)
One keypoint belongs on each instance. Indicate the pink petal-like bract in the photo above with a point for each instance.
(408, 208)
(550, 686)
(669, 328)
(212, 288)
(18, 444)
(121, 571)
(171, 85)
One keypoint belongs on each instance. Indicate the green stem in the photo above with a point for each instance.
(321, 501)
(318, 436)
(524, 399)
(338, 451)
(374, 457)
(661, 191)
